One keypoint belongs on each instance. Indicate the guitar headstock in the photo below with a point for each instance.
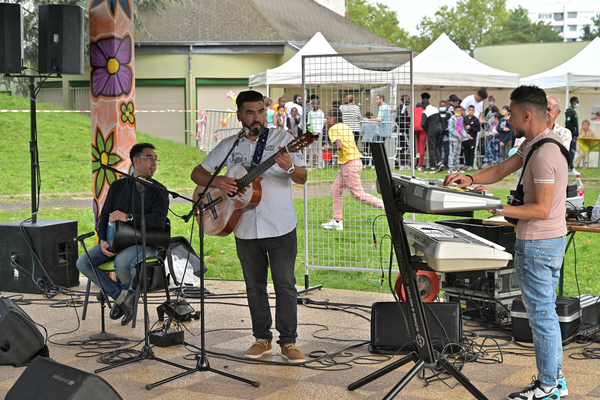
(300, 142)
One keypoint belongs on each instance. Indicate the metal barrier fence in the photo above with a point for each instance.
(348, 191)
(214, 126)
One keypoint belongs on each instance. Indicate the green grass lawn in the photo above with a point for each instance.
(64, 142)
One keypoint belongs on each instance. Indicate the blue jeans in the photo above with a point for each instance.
(125, 262)
(538, 264)
(255, 256)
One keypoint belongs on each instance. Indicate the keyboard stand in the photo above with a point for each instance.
(425, 356)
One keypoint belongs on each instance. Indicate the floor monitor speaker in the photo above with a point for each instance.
(61, 48)
(20, 339)
(389, 334)
(11, 38)
(45, 379)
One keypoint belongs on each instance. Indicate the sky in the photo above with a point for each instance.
(410, 13)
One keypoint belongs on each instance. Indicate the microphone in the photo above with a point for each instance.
(243, 132)
(84, 236)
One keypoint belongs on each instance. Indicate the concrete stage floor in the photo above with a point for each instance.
(228, 331)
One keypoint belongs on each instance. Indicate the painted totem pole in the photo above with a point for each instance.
(112, 85)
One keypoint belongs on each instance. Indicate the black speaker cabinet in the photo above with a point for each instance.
(52, 243)
(389, 333)
(45, 379)
(11, 38)
(61, 47)
(20, 338)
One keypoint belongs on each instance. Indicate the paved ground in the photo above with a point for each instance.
(322, 331)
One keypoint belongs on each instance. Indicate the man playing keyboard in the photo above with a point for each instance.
(541, 232)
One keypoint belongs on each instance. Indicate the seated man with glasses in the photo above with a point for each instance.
(123, 203)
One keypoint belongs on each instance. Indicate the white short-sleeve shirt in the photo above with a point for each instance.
(470, 101)
(275, 215)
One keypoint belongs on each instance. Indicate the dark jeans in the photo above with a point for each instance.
(433, 138)
(280, 253)
(469, 151)
(572, 151)
(444, 144)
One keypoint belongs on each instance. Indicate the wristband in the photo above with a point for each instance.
(472, 180)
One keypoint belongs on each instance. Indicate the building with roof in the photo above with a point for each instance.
(191, 55)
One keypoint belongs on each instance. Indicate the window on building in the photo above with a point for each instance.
(544, 16)
(572, 28)
(586, 14)
(558, 28)
(572, 14)
(558, 16)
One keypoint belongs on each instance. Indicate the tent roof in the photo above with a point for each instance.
(443, 63)
(290, 73)
(581, 70)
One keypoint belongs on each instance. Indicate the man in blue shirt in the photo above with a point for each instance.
(384, 126)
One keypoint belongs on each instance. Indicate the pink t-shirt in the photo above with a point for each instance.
(546, 166)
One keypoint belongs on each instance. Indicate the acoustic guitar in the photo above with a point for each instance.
(222, 219)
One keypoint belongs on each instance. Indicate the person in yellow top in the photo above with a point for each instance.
(583, 152)
(348, 176)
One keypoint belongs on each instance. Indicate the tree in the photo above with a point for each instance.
(378, 19)
(469, 24)
(518, 28)
(591, 32)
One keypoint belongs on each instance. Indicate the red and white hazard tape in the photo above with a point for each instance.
(87, 111)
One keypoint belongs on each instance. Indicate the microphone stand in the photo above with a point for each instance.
(146, 353)
(199, 207)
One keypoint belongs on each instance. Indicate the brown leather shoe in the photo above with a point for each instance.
(291, 353)
(258, 349)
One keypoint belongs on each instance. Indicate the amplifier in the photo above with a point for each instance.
(492, 284)
(389, 334)
(495, 311)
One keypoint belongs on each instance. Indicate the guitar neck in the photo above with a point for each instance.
(258, 170)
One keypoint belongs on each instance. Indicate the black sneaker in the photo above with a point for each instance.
(535, 392)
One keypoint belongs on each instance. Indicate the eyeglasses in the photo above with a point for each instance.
(150, 158)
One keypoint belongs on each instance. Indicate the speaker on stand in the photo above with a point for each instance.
(61, 39)
(11, 38)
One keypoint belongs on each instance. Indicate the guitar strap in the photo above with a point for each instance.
(260, 147)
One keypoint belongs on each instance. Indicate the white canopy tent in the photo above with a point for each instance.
(443, 63)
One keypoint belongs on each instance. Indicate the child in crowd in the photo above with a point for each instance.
(280, 119)
(492, 153)
(455, 137)
(506, 133)
(270, 112)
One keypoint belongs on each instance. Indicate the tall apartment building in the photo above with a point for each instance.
(566, 19)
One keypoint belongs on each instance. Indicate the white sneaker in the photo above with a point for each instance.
(573, 172)
(333, 224)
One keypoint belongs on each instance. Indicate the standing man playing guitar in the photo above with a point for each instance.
(265, 235)
(123, 203)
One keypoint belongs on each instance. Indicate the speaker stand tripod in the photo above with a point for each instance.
(425, 356)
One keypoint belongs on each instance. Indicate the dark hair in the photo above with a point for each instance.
(138, 148)
(471, 106)
(491, 97)
(482, 93)
(313, 97)
(443, 101)
(335, 104)
(404, 97)
(573, 99)
(334, 113)
(425, 102)
(453, 97)
(281, 98)
(296, 97)
(381, 96)
(459, 107)
(249, 96)
(425, 95)
(368, 114)
(495, 110)
(532, 98)
(507, 108)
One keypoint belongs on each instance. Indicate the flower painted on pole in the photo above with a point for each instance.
(102, 154)
(112, 6)
(112, 75)
(127, 110)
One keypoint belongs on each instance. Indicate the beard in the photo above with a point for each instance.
(519, 133)
(254, 130)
